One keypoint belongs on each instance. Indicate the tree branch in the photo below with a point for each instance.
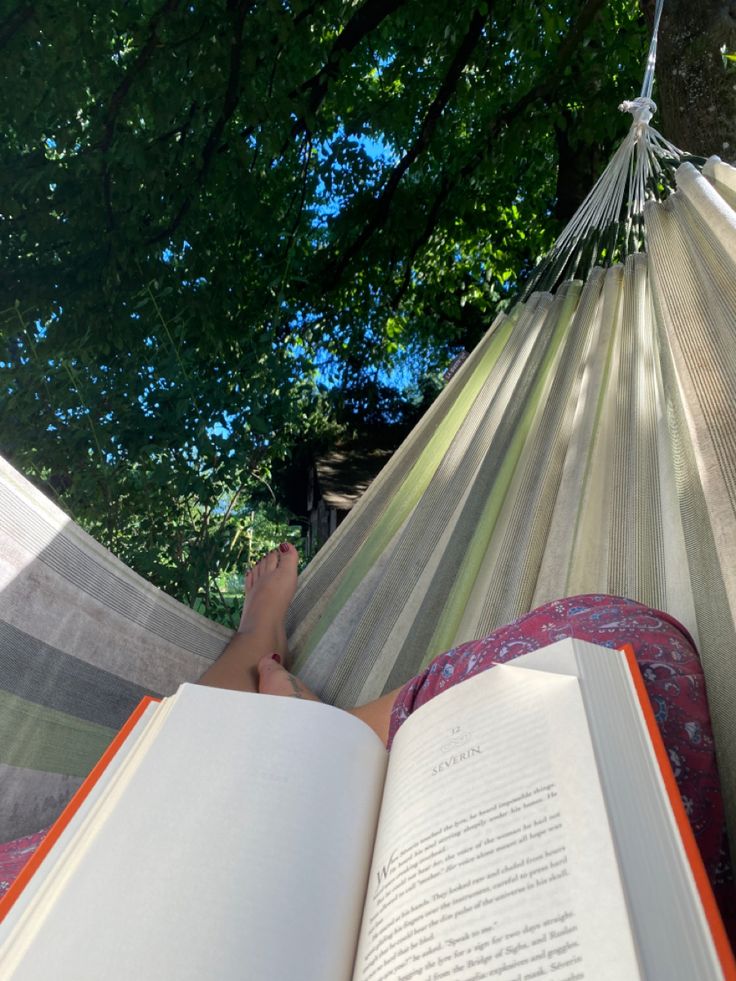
(14, 21)
(503, 120)
(550, 81)
(537, 92)
(301, 195)
(307, 12)
(118, 96)
(180, 130)
(239, 10)
(107, 199)
(382, 206)
(365, 19)
(421, 240)
(116, 101)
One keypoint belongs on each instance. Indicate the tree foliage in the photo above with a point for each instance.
(208, 210)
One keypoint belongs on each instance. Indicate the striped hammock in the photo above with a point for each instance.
(587, 445)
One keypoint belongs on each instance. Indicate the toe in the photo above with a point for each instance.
(288, 555)
(271, 561)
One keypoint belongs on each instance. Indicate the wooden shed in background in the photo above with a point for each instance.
(337, 479)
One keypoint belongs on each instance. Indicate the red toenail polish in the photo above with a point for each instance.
(277, 658)
(283, 547)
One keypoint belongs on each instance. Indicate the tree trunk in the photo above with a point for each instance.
(577, 168)
(694, 91)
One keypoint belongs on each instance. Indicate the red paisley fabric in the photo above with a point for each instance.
(673, 676)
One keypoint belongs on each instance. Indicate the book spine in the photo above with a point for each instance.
(702, 883)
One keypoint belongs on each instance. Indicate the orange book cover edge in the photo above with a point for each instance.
(702, 883)
(29, 869)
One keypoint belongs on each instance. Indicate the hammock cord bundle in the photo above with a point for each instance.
(609, 224)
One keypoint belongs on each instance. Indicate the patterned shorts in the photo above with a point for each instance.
(670, 665)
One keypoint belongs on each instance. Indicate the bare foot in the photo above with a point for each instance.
(269, 588)
(273, 679)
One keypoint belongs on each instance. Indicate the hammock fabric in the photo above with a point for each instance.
(587, 445)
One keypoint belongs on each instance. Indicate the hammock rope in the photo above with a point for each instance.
(609, 224)
(648, 83)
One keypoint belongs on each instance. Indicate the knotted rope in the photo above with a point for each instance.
(609, 224)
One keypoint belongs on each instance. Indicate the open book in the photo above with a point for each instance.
(525, 825)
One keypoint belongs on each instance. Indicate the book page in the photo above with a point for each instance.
(493, 857)
(237, 846)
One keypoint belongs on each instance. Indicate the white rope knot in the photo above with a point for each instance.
(609, 224)
(642, 109)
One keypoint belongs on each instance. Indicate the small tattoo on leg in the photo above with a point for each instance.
(298, 693)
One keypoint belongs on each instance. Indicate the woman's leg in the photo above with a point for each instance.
(247, 663)
(275, 680)
(270, 586)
